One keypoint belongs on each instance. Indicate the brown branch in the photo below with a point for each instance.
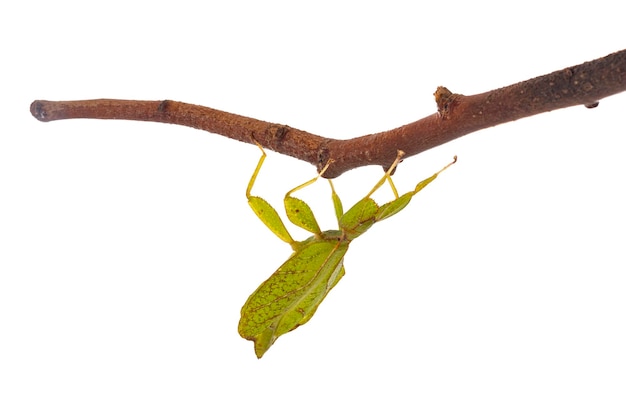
(457, 115)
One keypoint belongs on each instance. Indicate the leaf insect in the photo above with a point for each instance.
(290, 296)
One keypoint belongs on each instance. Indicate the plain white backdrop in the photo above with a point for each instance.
(127, 249)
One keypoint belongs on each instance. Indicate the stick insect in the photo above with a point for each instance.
(290, 296)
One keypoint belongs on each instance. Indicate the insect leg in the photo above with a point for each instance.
(266, 213)
(390, 208)
(299, 212)
(336, 202)
(308, 183)
(256, 171)
(387, 176)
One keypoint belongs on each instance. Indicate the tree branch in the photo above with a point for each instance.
(457, 115)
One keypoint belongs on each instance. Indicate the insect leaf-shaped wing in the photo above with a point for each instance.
(290, 297)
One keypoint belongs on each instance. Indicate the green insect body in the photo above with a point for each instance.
(290, 296)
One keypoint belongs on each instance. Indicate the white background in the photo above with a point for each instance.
(128, 248)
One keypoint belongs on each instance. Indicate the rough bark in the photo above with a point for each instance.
(457, 115)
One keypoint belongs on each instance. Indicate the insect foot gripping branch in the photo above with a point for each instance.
(290, 296)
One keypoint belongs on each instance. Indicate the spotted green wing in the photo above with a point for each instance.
(291, 295)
